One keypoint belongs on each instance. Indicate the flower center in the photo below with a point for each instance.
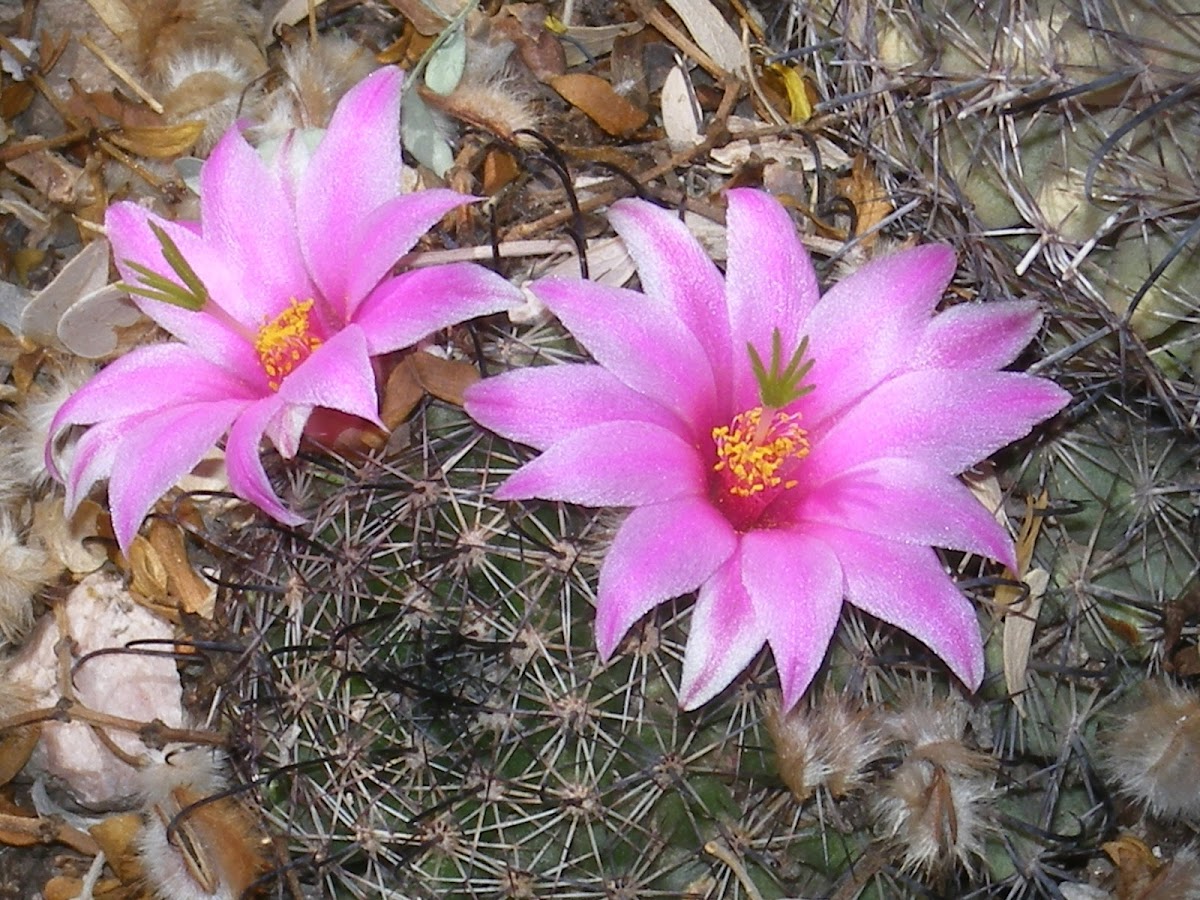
(755, 453)
(286, 341)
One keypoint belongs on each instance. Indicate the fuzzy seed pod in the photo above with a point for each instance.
(192, 847)
(491, 95)
(314, 78)
(31, 429)
(209, 86)
(825, 744)
(171, 29)
(24, 569)
(1154, 755)
(933, 806)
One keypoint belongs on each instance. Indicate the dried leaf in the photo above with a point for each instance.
(149, 574)
(1020, 618)
(627, 67)
(681, 113)
(100, 108)
(710, 31)
(117, 836)
(799, 102)
(871, 201)
(194, 593)
(90, 328)
(52, 176)
(445, 67)
(117, 17)
(1136, 865)
(68, 541)
(86, 272)
(159, 141)
(499, 169)
(429, 16)
(446, 379)
(15, 99)
(401, 394)
(600, 103)
(540, 50)
(787, 151)
(420, 135)
(16, 747)
(1020, 623)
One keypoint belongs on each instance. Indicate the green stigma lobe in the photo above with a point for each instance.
(779, 385)
(191, 295)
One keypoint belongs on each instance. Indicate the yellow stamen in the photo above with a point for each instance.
(753, 448)
(286, 341)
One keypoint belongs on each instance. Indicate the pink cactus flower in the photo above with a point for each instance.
(288, 276)
(782, 452)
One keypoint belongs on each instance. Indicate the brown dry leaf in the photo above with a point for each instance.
(69, 541)
(1021, 612)
(149, 574)
(428, 16)
(16, 747)
(870, 199)
(52, 176)
(600, 103)
(525, 25)
(99, 108)
(159, 141)
(13, 825)
(446, 379)
(401, 394)
(15, 98)
(499, 169)
(117, 836)
(69, 887)
(195, 595)
(1135, 862)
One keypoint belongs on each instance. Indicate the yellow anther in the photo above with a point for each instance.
(753, 448)
(286, 341)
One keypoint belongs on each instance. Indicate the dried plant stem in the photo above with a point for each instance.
(121, 72)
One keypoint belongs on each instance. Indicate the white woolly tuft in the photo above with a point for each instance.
(933, 806)
(1154, 755)
(209, 86)
(825, 744)
(193, 847)
(314, 78)
(24, 569)
(31, 429)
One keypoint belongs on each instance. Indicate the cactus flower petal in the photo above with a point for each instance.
(161, 448)
(279, 297)
(824, 458)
